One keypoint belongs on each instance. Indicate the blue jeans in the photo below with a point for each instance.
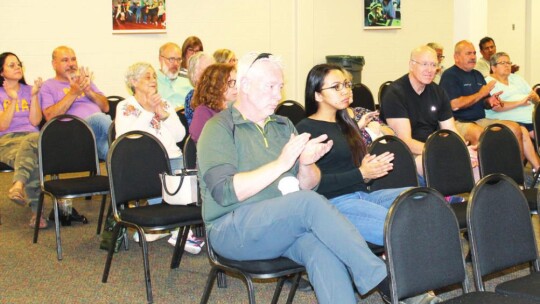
(304, 227)
(100, 122)
(176, 164)
(367, 211)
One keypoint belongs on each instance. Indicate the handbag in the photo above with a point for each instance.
(180, 188)
(107, 235)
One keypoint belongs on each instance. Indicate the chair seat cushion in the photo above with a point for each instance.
(162, 215)
(532, 196)
(526, 287)
(460, 210)
(78, 186)
(277, 266)
(486, 298)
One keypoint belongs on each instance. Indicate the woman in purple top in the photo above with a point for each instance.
(20, 116)
(215, 89)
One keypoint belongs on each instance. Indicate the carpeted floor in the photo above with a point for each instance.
(30, 273)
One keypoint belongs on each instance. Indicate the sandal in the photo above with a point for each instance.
(17, 196)
(42, 222)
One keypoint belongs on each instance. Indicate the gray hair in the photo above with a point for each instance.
(245, 63)
(134, 73)
(495, 57)
(193, 65)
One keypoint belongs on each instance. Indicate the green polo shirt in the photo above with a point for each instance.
(174, 91)
(229, 144)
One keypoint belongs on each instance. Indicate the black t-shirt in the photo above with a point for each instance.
(339, 174)
(424, 111)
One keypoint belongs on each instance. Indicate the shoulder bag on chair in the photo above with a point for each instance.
(180, 188)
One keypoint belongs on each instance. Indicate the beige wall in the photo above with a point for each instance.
(302, 31)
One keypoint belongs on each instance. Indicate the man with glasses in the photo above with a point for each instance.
(171, 87)
(414, 106)
(469, 96)
(256, 177)
(440, 57)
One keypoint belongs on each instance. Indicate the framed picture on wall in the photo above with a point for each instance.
(139, 16)
(382, 14)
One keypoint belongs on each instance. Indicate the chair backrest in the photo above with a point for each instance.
(113, 102)
(536, 88)
(499, 152)
(382, 90)
(362, 97)
(404, 172)
(190, 154)
(536, 124)
(66, 145)
(500, 230)
(292, 110)
(447, 163)
(134, 163)
(111, 135)
(422, 244)
(183, 120)
(5, 167)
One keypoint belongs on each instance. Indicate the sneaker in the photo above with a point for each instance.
(425, 298)
(193, 243)
(150, 237)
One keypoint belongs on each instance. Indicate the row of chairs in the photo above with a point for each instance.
(424, 249)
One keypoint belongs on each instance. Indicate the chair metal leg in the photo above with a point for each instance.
(292, 292)
(251, 290)
(179, 247)
(277, 291)
(38, 216)
(57, 230)
(148, 281)
(209, 284)
(110, 253)
(221, 279)
(101, 211)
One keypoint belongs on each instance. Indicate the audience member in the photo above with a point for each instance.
(256, 174)
(191, 45)
(225, 56)
(469, 95)
(171, 87)
(440, 57)
(517, 97)
(488, 49)
(72, 91)
(197, 64)
(347, 167)
(215, 89)
(20, 116)
(415, 107)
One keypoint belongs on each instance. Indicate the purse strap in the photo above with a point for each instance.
(164, 183)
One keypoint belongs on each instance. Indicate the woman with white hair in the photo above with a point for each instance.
(196, 66)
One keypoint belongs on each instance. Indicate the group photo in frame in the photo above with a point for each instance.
(382, 14)
(139, 16)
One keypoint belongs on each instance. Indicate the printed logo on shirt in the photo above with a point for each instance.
(23, 105)
(66, 90)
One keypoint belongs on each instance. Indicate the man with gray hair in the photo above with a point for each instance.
(257, 176)
(440, 57)
(171, 87)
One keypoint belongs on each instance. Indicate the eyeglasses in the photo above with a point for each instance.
(504, 63)
(260, 56)
(339, 86)
(172, 60)
(432, 65)
(13, 65)
(231, 83)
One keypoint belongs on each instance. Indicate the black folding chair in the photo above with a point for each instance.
(292, 110)
(382, 90)
(113, 102)
(499, 152)
(501, 236)
(447, 168)
(248, 270)
(134, 163)
(404, 172)
(67, 145)
(362, 97)
(424, 249)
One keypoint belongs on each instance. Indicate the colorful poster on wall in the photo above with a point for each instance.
(139, 16)
(382, 14)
